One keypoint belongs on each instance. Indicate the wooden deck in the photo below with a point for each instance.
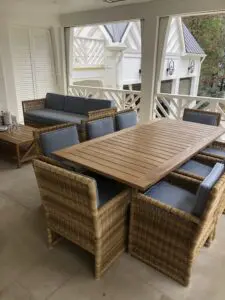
(142, 155)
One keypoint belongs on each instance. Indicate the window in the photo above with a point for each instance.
(185, 86)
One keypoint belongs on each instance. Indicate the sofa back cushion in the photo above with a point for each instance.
(75, 105)
(58, 139)
(100, 127)
(55, 101)
(205, 188)
(92, 104)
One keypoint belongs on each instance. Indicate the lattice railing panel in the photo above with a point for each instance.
(88, 52)
(172, 106)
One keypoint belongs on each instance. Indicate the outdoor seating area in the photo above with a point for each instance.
(112, 150)
(155, 190)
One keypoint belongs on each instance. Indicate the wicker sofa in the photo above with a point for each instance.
(57, 109)
(76, 208)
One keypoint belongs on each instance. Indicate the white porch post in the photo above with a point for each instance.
(153, 39)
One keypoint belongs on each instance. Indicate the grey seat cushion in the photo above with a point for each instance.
(205, 188)
(125, 120)
(58, 139)
(214, 151)
(173, 196)
(100, 127)
(92, 104)
(196, 168)
(107, 188)
(75, 105)
(54, 101)
(51, 117)
(198, 117)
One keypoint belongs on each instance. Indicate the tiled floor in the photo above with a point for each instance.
(29, 271)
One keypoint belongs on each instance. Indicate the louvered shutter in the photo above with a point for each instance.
(33, 64)
(22, 66)
(42, 62)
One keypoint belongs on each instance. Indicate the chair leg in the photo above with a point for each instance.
(211, 238)
(53, 238)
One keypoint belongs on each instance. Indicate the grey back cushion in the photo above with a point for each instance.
(205, 188)
(199, 117)
(100, 127)
(58, 139)
(75, 105)
(55, 101)
(92, 104)
(125, 120)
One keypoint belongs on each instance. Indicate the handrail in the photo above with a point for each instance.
(185, 97)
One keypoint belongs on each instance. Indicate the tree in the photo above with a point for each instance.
(209, 31)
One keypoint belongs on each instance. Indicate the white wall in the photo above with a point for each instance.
(150, 12)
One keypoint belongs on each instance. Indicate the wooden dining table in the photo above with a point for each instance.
(140, 156)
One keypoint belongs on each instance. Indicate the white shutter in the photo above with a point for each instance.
(42, 62)
(33, 64)
(22, 66)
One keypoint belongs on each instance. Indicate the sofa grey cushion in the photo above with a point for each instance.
(55, 101)
(214, 151)
(199, 117)
(92, 104)
(58, 139)
(125, 120)
(51, 117)
(75, 105)
(100, 127)
(205, 188)
(196, 168)
(106, 188)
(173, 196)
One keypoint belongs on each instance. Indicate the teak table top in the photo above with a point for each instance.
(22, 135)
(142, 155)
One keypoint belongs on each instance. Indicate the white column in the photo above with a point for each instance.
(113, 65)
(152, 51)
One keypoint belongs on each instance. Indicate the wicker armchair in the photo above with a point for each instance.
(168, 238)
(70, 202)
(126, 118)
(37, 133)
(209, 161)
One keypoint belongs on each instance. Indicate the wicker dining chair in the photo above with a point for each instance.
(78, 208)
(215, 150)
(125, 119)
(95, 116)
(199, 167)
(169, 238)
(201, 116)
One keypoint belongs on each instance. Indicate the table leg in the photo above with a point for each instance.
(18, 156)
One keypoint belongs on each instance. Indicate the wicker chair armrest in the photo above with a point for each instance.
(30, 105)
(157, 206)
(102, 113)
(114, 212)
(187, 182)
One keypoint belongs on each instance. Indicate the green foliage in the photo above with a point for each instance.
(209, 31)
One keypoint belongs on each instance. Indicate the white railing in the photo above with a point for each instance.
(123, 98)
(88, 52)
(172, 106)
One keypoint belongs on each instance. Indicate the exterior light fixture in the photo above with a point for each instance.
(170, 68)
(191, 67)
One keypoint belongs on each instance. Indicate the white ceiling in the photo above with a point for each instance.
(63, 6)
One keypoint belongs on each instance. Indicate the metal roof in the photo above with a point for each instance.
(116, 31)
(191, 44)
